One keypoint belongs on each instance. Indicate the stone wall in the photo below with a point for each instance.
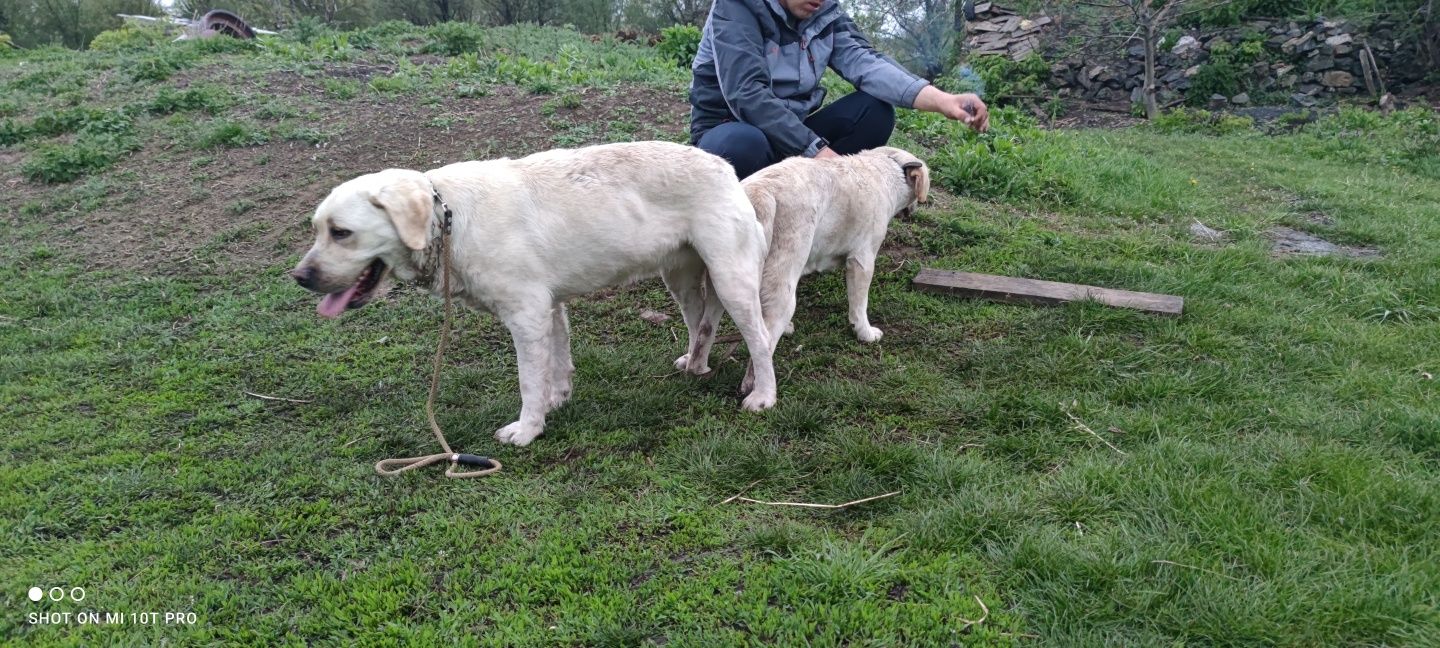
(1300, 62)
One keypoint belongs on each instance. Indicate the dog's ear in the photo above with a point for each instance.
(919, 177)
(916, 173)
(409, 207)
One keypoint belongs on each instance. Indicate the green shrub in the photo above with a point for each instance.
(219, 45)
(680, 43)
(307, 134)
(205, 98)
(75, 120)
(65, 121)
(542, 85)
(341, 89)
(389, 29)
(159, 66)
(1408, 140)
(1014, 161)
(129, 38)
(1238, 11)
(116, 123)
(454, 38)
(1001, 80)
(1203, 122)
(13, 132)
(306, 30)
(463, 66)
(231, 134)
(472, 91)
(568, 101)
(394, 84)
(55, 163)
(1226, 72)
(7, 45)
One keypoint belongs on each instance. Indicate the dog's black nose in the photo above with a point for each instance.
(304, 275)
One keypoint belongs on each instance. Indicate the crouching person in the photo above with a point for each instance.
(756, 86)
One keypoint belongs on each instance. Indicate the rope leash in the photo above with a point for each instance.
(391, 467)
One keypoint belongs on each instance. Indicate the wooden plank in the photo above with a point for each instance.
(1035, 291)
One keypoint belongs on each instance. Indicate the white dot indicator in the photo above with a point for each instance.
(36, 594)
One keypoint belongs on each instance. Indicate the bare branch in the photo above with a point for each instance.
(818, 506)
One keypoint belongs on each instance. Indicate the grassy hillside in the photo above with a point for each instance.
(1259, 471)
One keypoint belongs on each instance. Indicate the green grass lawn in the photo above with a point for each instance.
(1272, 479)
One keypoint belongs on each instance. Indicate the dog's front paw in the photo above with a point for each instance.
(748, 383)
(869, 334)
(517, 434)
(700, 368)
(758, 402)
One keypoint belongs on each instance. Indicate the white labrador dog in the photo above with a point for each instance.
(820, 214)
(532, 233)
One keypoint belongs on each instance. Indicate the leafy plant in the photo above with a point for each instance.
(1227, 72)
(341, 89)
(1002, 80)
(393, 84)
(1204, 122)
(1013, 161)
(129, 38)
(159, 66)
(455, 38)
(231, 134)
(55, 163)
(679, 43)
(206, 98)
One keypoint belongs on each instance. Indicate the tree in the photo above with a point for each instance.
(71, 23)
(592, 16)
(919, 32)
(1151, 17)
(426, 12)
(510, 12)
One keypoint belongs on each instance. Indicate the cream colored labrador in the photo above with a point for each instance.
(821, 214)
(530, 234)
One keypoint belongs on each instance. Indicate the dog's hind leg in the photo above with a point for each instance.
(859, 269)
(562, 368)
(777, 302)
(700, 309)
(737, 284)
(533, 332)
(739, 291)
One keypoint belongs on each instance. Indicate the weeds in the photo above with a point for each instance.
(226, 133)
(56, 163)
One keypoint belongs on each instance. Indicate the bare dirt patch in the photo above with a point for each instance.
(169, 207)
(1287, 242)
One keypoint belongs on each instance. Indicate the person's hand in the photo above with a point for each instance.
(968, 109)
(826, 153)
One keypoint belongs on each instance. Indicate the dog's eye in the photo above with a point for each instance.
(337, 233)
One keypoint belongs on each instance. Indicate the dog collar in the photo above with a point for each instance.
(434, 251)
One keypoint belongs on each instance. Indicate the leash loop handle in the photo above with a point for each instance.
(392, 467)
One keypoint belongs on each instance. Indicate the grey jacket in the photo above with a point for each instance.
(757, 65)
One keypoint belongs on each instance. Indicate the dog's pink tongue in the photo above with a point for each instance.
(334, 303)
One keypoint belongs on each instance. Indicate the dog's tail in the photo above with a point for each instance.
(764, 203)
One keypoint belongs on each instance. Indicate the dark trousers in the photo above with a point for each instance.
(853, 123)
